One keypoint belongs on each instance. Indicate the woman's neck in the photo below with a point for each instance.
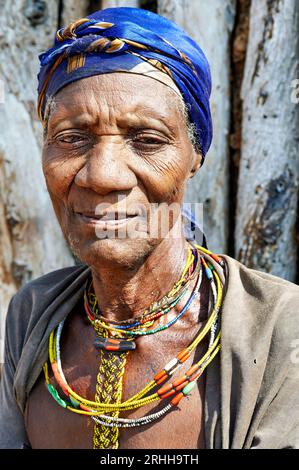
(124, 293)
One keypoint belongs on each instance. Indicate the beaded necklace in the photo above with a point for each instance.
(112, 366)
(157, 307)
(123, 332)
(175, 390)
(114, 345)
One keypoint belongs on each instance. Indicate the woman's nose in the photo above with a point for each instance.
(106, 169)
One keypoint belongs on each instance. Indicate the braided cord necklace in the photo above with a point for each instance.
(112, 366)
(109, 389)
(176, 390)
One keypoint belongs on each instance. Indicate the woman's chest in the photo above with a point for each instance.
(89, 372)
(51, 427)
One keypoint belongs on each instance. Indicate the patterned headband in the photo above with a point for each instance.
(118, 39)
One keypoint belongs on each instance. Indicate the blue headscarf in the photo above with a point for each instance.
(123, 37)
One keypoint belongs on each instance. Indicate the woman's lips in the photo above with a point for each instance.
(106, 222)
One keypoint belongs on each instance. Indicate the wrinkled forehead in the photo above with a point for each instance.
(118, 95)
(125, 37)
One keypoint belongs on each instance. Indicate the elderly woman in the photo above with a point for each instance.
(117, 351)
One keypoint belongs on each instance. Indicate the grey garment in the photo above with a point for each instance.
(251, 399)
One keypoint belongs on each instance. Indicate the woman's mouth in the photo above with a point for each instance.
(108, 221)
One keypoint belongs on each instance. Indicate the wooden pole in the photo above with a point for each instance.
(210, 23)
(265, 237)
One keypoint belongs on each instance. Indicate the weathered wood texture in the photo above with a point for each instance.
(265, 236)
(119, 3)
(31, 242)
(71, 10)
(210, 22)
(239, 42)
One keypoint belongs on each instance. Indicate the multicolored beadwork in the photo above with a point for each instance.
(174, 391)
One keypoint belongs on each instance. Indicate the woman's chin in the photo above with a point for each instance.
(117, 251)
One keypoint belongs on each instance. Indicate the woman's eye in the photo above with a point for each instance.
(149, 141)
(71, 139)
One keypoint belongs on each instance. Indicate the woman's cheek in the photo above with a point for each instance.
(59, 174)
(169, 186)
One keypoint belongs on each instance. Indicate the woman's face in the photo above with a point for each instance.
(116, 144)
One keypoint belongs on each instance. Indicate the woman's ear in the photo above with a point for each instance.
(197, 161)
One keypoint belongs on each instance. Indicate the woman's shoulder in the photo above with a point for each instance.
(258, 283)
(40, 289)
(263, 304)
(52, 278)
(34, 305)
(259, 357)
